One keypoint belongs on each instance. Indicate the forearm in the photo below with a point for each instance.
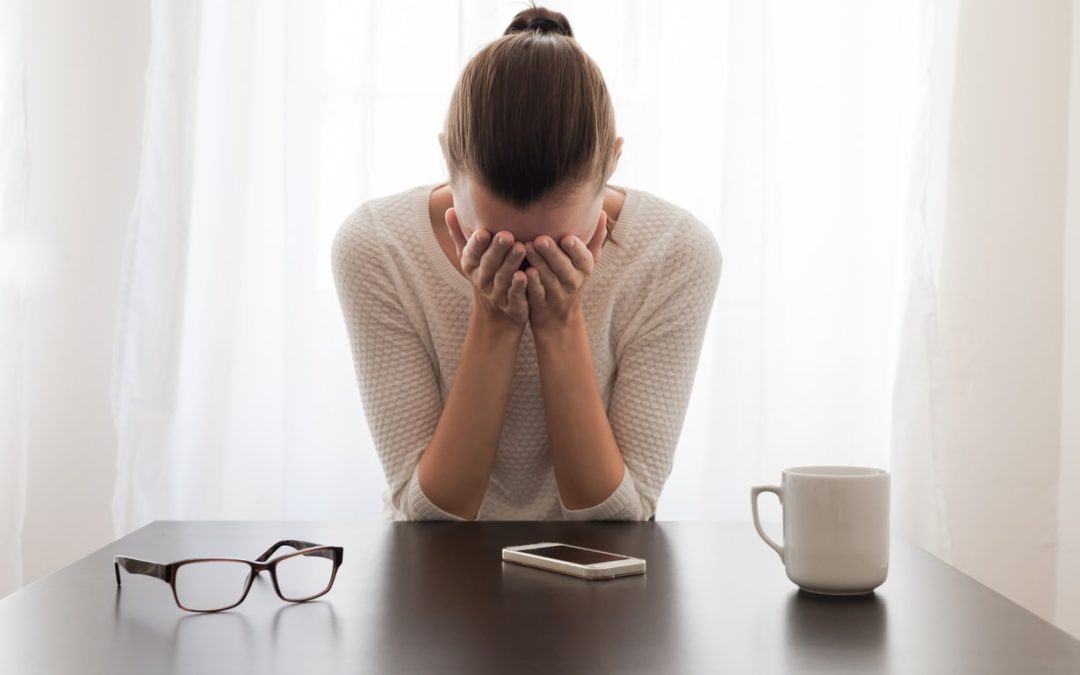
(587, 461)
(456, 465)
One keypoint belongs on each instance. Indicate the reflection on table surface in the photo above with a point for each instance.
(437, 597)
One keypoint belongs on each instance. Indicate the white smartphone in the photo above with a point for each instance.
(578, 561)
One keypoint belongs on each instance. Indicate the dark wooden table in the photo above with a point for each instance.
(436, 597)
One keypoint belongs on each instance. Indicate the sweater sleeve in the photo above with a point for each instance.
(397, 382)
(655, 374)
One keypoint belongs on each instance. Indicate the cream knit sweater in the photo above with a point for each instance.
(407, 308)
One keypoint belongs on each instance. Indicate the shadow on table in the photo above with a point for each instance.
(822, 630)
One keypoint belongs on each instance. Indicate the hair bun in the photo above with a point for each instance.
(540, 20)
(545, 24)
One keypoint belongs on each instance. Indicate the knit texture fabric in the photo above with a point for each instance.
(406, 310)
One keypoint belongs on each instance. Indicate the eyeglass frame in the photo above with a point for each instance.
(167, 571)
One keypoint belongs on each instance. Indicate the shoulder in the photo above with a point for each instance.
(669, 266)
(663, 235)
(373, 229)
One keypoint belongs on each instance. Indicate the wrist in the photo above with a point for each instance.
(494, 328)
(555, 334)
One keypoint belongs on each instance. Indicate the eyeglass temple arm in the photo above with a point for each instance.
(297, 545)
(136, 566)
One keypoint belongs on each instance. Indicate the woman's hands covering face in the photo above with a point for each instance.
(492, 266)
(547, 292)
(557, 276)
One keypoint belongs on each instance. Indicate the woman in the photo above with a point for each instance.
(525, 336)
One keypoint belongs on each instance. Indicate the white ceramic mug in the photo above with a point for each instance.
(836, 527)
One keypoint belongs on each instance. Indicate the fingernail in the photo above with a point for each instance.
(568, 243)
(542, 244)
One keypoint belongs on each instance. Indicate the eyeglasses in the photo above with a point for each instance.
(216, 584)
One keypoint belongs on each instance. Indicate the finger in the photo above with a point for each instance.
(558, 261)
(580, 256)
(454, 227)
(547, 277)
(474, 251)
(596, 242)
(493, 258)
(535, 288)
(505, 273)
(516, 294)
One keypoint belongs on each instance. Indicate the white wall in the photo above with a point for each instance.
(83, 136)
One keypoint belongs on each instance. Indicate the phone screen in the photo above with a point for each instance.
(574, 555)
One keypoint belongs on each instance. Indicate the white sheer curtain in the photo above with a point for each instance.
(786, 126)
(986, 444)
(836, 149)
(796, 146)
(232, 393)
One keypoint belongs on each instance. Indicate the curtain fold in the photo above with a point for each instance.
(16, 258)
(918, 495)
(230, 360)
(146, 361)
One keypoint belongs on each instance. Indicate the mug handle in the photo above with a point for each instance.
(754, 492)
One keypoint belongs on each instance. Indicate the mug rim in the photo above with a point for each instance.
(835, 471)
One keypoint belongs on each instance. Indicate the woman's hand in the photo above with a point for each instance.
(558, 275)
(498, 285)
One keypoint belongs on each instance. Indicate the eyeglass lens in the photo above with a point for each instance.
(303, 576)
(210, 585)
